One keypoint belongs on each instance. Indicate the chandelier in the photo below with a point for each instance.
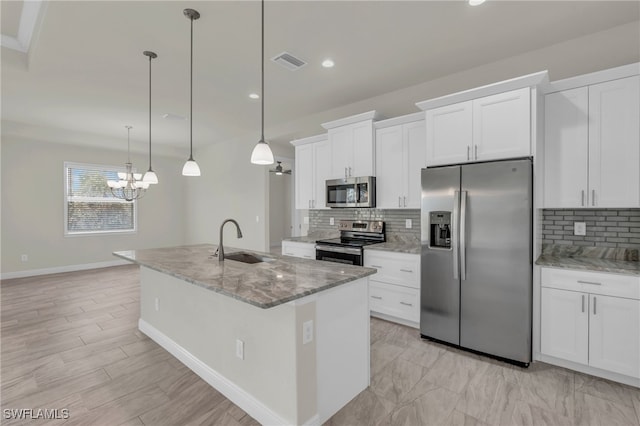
(130, 186)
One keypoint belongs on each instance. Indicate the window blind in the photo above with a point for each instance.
(90, 205)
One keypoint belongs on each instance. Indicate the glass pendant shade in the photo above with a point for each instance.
(191, 168)
(150, 177)
(262, 154)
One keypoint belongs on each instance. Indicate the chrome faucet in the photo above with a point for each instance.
(220, 246)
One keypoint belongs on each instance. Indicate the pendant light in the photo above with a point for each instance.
(130, 186)
(191, 168)
(150, 177)
(262, 153)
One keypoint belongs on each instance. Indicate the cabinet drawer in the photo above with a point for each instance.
(397, 301)
(296, 249)
(592, 282)
(395, 268)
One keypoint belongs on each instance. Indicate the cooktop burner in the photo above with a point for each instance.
(348, 242)
(357, 233)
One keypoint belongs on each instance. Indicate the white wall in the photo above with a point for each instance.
(280, 194)
(33, 206)
(230, 187)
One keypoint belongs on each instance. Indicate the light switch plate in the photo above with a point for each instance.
(579, 228)
(408, 224)
(305, 220)
(331, 221)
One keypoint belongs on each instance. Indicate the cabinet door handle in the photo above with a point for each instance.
(589, 282)
(345, 172)
(405, 201)
(593, 197)
(406, 304)
(583, 303)
(307, 256)
(349, 171)
(583, 198)
(376, 266)
(475, 148)
(594, 305)
(406, 270)
(376, 297)
(309, 203)
(468, 152)
(313, 203)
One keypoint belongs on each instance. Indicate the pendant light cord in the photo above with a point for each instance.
(191, 98)
(150, 113)
(262, 80)
(128, 145)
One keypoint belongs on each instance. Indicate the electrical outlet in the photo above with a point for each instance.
(408, 224)
(240, 349)
(257, 219)
(305, 220)
(579, 228)
(307, 332)
(157, 304)
(24, 258)
(331, 221)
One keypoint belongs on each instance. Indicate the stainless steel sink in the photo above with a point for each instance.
(245, 257)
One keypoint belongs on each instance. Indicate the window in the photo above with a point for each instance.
(89, 206)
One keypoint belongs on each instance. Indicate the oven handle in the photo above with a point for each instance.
(337, 249)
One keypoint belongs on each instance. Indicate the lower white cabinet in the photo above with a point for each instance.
(299, 249)
(394, 292)
(592, 319)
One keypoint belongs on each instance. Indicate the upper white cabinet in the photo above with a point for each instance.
(400, 157)
(312, 169)
(352, 146)
(487, 128)
(592, 145)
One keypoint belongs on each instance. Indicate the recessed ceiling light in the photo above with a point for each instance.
(254, 96)
(328, 63)
(475, 2)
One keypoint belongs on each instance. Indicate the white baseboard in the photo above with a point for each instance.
(620, 378)
(233, 392)
(60, 269)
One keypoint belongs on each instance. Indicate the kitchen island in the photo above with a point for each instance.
(285, 339)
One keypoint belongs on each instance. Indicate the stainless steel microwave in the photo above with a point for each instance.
(352, 192)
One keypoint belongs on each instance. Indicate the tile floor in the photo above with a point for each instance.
(71, 341)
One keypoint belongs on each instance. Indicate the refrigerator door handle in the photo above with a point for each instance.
(463, 219)
(454, 233)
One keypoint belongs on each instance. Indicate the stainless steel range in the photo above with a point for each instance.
(349, 248)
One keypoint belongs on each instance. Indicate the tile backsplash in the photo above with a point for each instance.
(395, 220)
(605, 227)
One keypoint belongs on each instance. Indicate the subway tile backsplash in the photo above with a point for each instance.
(395, 220)
(605, 227)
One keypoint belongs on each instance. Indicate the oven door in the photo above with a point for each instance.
(339, 254)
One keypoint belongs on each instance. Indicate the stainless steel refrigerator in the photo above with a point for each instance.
(476, 276)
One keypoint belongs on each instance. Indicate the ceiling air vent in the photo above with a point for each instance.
(288, 61)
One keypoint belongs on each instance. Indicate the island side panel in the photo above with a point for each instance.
(207, 325)
(343, 327)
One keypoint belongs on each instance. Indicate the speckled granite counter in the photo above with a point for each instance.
(398, 247)
(619, 261)
(265, 284)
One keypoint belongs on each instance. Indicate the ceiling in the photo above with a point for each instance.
(85, 72)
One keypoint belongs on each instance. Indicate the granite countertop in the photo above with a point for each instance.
(265, 284)
(619, 261)
(396, 246)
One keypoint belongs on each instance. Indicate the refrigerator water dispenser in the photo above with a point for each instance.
(440, 230)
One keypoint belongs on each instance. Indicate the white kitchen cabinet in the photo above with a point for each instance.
(566, 153)
(394, 291)
(565, 324)
(591, 319)
(312, 169)
(502, 125)
(487, 128)
(352, 150)
(400, 157)
(449, 134)
(299, 249)
(592, 145)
